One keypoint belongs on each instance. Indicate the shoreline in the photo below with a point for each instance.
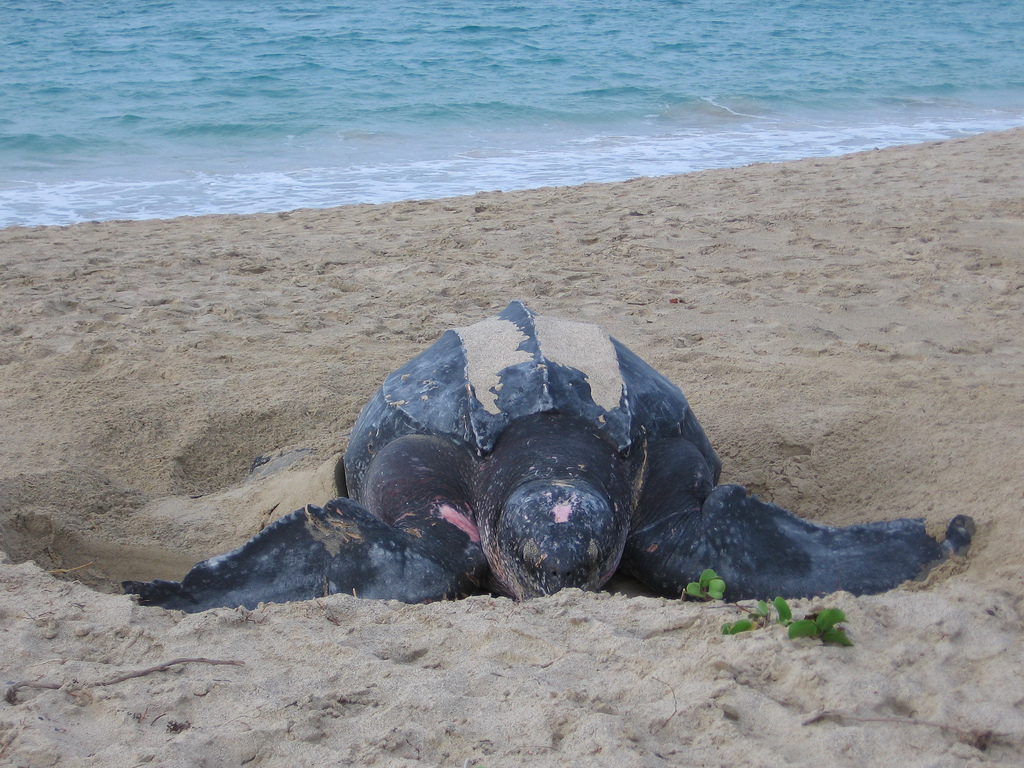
(847, 330)
(599, 158)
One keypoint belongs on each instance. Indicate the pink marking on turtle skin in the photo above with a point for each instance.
(562, 513)
(450, 514)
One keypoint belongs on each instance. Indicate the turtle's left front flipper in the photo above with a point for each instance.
(317, 551)
(684, 525)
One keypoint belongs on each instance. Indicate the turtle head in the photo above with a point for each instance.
(552, 535)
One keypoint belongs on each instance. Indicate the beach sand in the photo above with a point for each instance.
(848, 330)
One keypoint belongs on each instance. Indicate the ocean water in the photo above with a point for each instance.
(156, 108)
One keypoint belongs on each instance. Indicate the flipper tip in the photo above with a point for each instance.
(959, 535)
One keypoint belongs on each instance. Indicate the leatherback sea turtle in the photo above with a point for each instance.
(526, 454)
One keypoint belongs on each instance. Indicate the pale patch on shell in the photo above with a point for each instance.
(491, 346)
(589, 350)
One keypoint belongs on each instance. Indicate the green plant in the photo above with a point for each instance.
(743, 625)
(755, 618)
(782, 608)
(822, 626)
(709, 587)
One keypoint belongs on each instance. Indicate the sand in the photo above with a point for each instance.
(848, 330)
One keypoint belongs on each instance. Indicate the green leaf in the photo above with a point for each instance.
(740, 626)
(828, 618)
(716, 588)
(785, 615)
(693, 589)
(803, 628)
(762, 609)
(837, 636)
(706, 577)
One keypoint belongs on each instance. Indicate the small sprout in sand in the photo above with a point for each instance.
(760, 614)
(821, 625)
(782, 608)
(709, 587)
(755, 619)
(743, 625)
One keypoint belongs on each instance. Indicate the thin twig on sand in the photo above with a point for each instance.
(979, 738)
(11, 697)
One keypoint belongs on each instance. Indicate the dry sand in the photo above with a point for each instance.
(848, 330)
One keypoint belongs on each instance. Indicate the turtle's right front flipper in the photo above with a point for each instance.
(683, 524)
(320, 551)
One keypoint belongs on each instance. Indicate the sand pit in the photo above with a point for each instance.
(848, 331)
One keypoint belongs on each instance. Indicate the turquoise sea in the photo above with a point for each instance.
(156, 108)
